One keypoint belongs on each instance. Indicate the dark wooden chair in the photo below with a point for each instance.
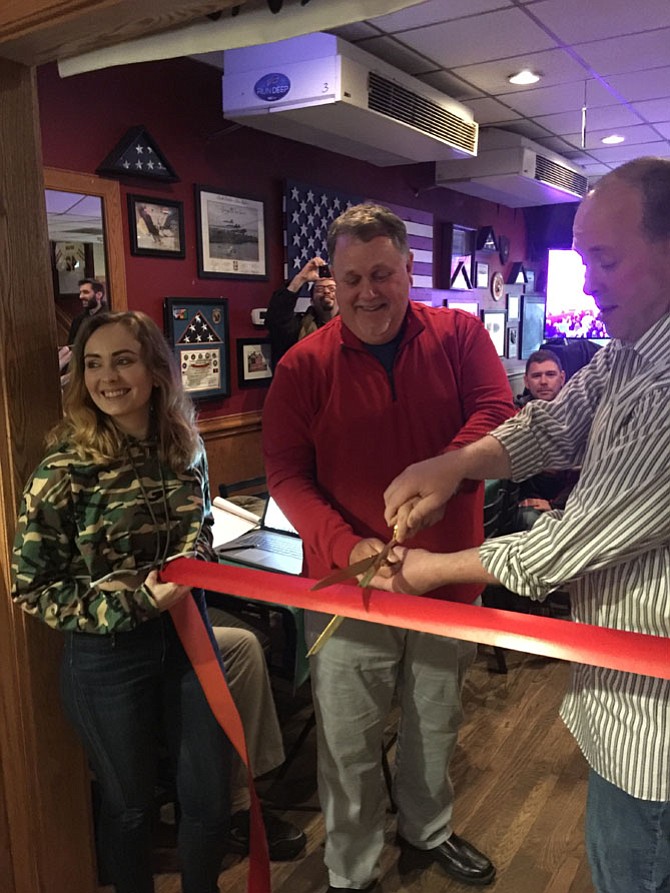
(500, 498)
(500, 515)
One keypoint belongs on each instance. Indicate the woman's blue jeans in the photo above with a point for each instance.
(627, 840)
(125, 694)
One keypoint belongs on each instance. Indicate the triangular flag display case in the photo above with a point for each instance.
(137, 155)
(486, 239)
(517, 274)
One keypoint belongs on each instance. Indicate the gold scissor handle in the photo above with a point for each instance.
(364, 582)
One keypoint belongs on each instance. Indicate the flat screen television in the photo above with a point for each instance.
(570, 312)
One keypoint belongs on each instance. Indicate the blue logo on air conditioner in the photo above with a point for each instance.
(272, 87)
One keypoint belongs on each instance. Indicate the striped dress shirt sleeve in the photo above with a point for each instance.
(611, 544)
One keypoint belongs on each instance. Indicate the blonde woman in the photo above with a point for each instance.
(122, 488)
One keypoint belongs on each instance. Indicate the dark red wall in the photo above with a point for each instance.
(179, 103)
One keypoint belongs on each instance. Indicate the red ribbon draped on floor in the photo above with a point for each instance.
(200, 650)
(601, 647)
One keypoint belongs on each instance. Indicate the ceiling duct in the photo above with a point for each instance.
(514, 171)
(321, 90)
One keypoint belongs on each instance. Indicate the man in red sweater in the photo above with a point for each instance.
(387, 383)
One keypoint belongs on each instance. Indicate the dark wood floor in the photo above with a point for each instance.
(520, 791)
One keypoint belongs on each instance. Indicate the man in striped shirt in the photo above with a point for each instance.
(611, 543)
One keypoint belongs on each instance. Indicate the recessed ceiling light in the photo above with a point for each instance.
(524, 77)
(612, 140)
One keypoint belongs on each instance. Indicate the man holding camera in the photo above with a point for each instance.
(286, 327)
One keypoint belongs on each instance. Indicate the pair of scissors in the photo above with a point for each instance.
(368, 567)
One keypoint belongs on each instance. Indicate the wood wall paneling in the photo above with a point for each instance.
(45, 839)
(233, 445)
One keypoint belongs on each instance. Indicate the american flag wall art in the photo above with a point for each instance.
(310, 209)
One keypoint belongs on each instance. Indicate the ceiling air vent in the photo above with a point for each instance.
(394, 101)
(319, 89)
(512, 170)
(548, 171)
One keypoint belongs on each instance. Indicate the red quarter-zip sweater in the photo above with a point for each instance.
(337, 429)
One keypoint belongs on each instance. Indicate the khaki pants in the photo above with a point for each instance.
(249, 683)
(354, 679)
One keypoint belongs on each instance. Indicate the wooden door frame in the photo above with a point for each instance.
(110, 193)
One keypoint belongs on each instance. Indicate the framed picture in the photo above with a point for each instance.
(231, 236)
(481, 275)
(253, 362)
(197, 329)
(512, 340)
(458, 257)
(494, 323)
(156, 227)
(513, 304)
(467, 306)
(531, 327)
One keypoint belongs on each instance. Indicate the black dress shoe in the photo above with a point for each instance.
(285, 840)
(458, 858)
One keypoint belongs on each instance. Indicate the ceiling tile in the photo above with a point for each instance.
(489, 111)
(652, 84)
(556, 67)
(435, 11)
(562, 98)
(355, 31)
(555, 144)
(447, 83)
(525, 127)
(664, 128)
(626, 153)
(630, 52)
(571, 20)
(493, 35)
(396, 54)
(601, 117)
(633, 135)
(654, 110)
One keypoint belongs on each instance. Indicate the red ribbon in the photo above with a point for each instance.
(200, 650)
(596, 645)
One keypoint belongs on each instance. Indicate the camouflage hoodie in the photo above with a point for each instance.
(81, 522)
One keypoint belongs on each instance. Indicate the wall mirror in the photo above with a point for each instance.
(85, 240)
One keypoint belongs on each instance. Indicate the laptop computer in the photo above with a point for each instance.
(276, 545)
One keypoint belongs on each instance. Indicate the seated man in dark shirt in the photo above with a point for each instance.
(543, 379)
(548, 490)
(285, 326)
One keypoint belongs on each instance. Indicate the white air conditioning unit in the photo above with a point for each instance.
(514, 171)
(321, 90)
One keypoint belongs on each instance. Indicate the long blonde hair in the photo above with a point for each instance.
(94, 435)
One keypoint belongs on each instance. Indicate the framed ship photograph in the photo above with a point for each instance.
(231, 236)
